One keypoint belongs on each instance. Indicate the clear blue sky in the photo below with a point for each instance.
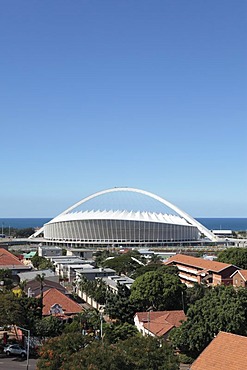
(141, 93)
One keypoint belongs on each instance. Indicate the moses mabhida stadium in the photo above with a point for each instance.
(122, 216)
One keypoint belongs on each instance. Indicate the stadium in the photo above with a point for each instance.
(123, 216)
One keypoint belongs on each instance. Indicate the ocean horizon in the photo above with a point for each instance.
(235, 224)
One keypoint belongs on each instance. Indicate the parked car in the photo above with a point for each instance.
(15, 349)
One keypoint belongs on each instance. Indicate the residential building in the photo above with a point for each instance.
(80, 252)
(71, 270)
(158, 323)
(227, 351)
(113, 281)
(30, 275)
(93, 273)
(63, 266)
(45, 251)
(57, 304)
(239, 278)
(198, 270)
(10, 262)
(33, 287)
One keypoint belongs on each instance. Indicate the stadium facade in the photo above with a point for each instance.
(121, 226)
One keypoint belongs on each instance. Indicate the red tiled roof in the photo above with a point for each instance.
(243, 273)
(8, 259)
(54, 296)
(160, 322)
(226, 351)
(198, 262)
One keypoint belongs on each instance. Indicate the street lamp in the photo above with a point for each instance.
(28, 343)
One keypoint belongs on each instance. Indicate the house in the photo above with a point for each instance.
(58, 304)
(10, 262)
(33, 287)
(63, 266)
(27, 257)
(80, 252)
(226, 351)
(71, 270)
(30, 275)
(45, 251)
(239, 278)
(94, 273)
(113, 281)
(198, 270)
(158, 323)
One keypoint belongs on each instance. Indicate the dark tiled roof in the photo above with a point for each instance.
(34, 285)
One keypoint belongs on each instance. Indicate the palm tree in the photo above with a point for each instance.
(22, 286)
(41, 279)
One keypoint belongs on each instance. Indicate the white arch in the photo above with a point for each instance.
(183, 214)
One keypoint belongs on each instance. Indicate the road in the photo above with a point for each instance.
(15, 363)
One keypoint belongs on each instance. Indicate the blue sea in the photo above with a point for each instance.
(235, 224)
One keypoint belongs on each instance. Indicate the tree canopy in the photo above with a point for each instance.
(221, 309)
(119, 307)
(80, 352)
(125, 264)
(41, 263)
(160, 290)
(6, 280)
(21, 311)
(234, 256)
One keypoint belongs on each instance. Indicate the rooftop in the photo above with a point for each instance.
(34, 285)
(160, 322)
(8, 260)
(198, 262)
(32, 274)
(243, 273)
(226, 351)
(121, 215)
(54, 296)
(95, 270)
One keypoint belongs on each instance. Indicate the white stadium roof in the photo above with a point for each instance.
(121, 215)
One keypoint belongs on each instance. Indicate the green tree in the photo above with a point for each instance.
(95, 289)
(158, 289)
(125, 264)
(59, 351)
(41, 278)
(101, 256)
(194, 293)
(78, 352)
(116, 331)
(119, 307)
(6, 280)
(22, 285)
(48, 327)
(20, 311)
(10, 310)
(221, 309)
(41, 263)
(141, 270)
(31, 311)
(234, 256)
